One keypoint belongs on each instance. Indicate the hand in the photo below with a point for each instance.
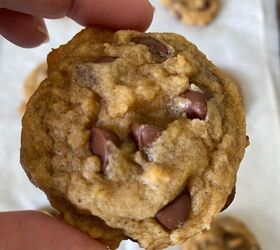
(21, 21)
(30, 230)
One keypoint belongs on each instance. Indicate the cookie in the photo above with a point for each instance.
(91, 225)
(32, 82)
(226, 233)
(194, 12)
(139, 130)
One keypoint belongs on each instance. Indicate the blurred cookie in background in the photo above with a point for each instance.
(194, 12)
(32, 82)
(226, 233)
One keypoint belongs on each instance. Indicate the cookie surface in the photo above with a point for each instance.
(140, 130)
(32, 82)
(226, 233)
(91, 225)
(194, 12)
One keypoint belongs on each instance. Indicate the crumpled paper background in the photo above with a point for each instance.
(243, 42)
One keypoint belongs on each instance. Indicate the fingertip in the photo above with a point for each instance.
(139, 14)
(42, 28)
(22, 29)
(122, 14)
(27, 230)
(146, 18)
(40, 8)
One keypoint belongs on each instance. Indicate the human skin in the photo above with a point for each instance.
(22, 21)
(28, 230)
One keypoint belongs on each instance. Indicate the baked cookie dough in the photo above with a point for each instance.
(91, 225)
(137, 129)
(32, 82)
(194, 12)
(226, 233)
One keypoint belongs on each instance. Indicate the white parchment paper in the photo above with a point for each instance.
(243, 42)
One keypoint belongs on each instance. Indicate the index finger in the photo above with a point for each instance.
(115, 14)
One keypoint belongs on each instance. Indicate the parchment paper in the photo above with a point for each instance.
(243, 42)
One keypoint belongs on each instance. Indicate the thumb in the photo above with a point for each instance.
(27, 230)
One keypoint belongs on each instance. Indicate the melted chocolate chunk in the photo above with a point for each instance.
(84, 75)
(229, 199)
(99, 143)
(196, 106)
(104, 59)
(176, 212)
(145, 134)
(204, 6)
(155, 47)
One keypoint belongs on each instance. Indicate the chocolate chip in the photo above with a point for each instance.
(229, 199)
(176, 212)
(155, 46)
(204, 5)
(196, 107)
(145, 134)
(247, 141)
(99, 143)
(178, 14)
(84, 75)
(104, 59)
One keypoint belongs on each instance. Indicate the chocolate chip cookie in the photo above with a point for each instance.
(194, 12)
(32, 82)
(226, 233)
(137, 129)
(92, 225)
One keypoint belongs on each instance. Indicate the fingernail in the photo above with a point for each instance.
(154, 8)
(43, 29)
